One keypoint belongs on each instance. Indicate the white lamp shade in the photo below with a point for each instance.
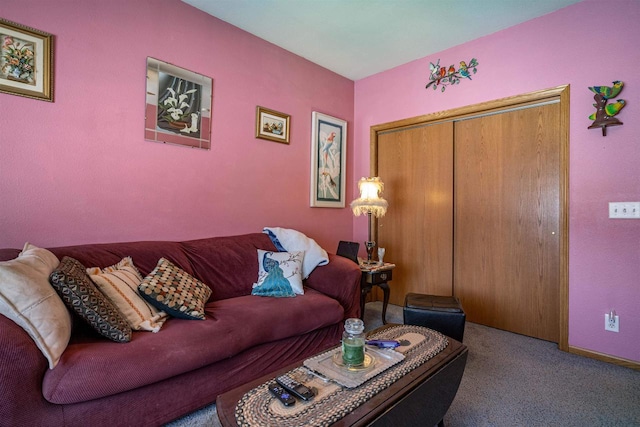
(370, 200)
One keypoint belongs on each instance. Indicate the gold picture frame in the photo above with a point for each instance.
(272, 125)
(26, 61)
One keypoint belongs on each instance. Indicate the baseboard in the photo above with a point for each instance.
(605, 358)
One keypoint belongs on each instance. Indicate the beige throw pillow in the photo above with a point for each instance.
(120, 284)
(27, 298)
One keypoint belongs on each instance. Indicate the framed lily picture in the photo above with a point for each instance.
(328, 161)
(26, 61)
(272, 125)
(178, 105)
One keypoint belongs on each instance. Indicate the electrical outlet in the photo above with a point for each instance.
(611, 322)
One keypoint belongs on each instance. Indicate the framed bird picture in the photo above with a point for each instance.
(328, 161)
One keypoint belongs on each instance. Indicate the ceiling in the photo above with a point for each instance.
(358, 38)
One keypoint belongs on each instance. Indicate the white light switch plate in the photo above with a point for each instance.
(624, 210)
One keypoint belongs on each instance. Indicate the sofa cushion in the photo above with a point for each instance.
(145, 254)
(79, 293)
(102, 368)
(279, 274)
(171, 289)
(27, 298)
(119, 283)
(229, 264)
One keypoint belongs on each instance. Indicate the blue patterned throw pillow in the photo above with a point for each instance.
(279, 274)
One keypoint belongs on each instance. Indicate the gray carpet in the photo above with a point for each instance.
(513, 380)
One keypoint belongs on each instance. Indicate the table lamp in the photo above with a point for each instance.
(371, 204)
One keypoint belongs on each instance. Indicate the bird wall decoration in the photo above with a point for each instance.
(608, 92)
(605, 112)
(445, 76)
(610, 109)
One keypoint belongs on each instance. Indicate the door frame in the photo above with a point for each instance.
(557, 94)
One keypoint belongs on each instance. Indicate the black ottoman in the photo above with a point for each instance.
(443, 314)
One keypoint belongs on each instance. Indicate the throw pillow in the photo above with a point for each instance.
(27, 298)
(279, 274)
(172, 289)
(120, 283)
(79, 293)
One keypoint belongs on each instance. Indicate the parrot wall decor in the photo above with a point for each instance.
(605, 112)
(445, 76)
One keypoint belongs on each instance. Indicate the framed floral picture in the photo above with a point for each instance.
(26, 61)
(328, 161)
(272, 125)
(178, 105)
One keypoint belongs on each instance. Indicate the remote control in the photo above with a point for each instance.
(282, 394)
(294, 387)
(384, 343)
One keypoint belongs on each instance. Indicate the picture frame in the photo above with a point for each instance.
(178, 105)
(272, 125)
(26, 61)
(328, 161)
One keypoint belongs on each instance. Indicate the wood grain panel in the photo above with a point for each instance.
(507, 220)
(416, 166)
(474, 110)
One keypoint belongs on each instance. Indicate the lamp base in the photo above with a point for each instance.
(370, 245)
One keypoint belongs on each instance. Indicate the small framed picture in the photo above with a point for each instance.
(26, 61)
(328, 161)
(272, 125)
(178, 105)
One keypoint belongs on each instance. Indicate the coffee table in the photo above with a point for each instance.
(420, 397)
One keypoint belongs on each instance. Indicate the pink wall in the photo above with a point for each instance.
(79, 170)
(575, 46)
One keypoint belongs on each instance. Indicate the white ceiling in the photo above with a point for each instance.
(358, 38)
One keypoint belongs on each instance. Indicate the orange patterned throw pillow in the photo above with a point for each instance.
(175, 291)
(119, 283)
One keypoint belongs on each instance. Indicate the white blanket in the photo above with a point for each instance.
(292, 240)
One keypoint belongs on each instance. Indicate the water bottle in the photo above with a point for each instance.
(353, 343)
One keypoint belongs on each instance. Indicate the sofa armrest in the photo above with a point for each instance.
(340, 279)
(22, 367)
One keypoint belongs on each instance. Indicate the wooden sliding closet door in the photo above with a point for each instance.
(507, 226)
(416, 166)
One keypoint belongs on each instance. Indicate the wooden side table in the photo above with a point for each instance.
(375, 275)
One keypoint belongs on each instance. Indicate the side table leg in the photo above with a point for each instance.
(363, 297)
(385, 303)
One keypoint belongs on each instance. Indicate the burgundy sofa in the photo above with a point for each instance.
(158, 377)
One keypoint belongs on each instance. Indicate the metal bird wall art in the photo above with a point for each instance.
(605, 112)
(445, 76)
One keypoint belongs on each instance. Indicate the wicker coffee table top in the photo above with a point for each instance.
(258, 407)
